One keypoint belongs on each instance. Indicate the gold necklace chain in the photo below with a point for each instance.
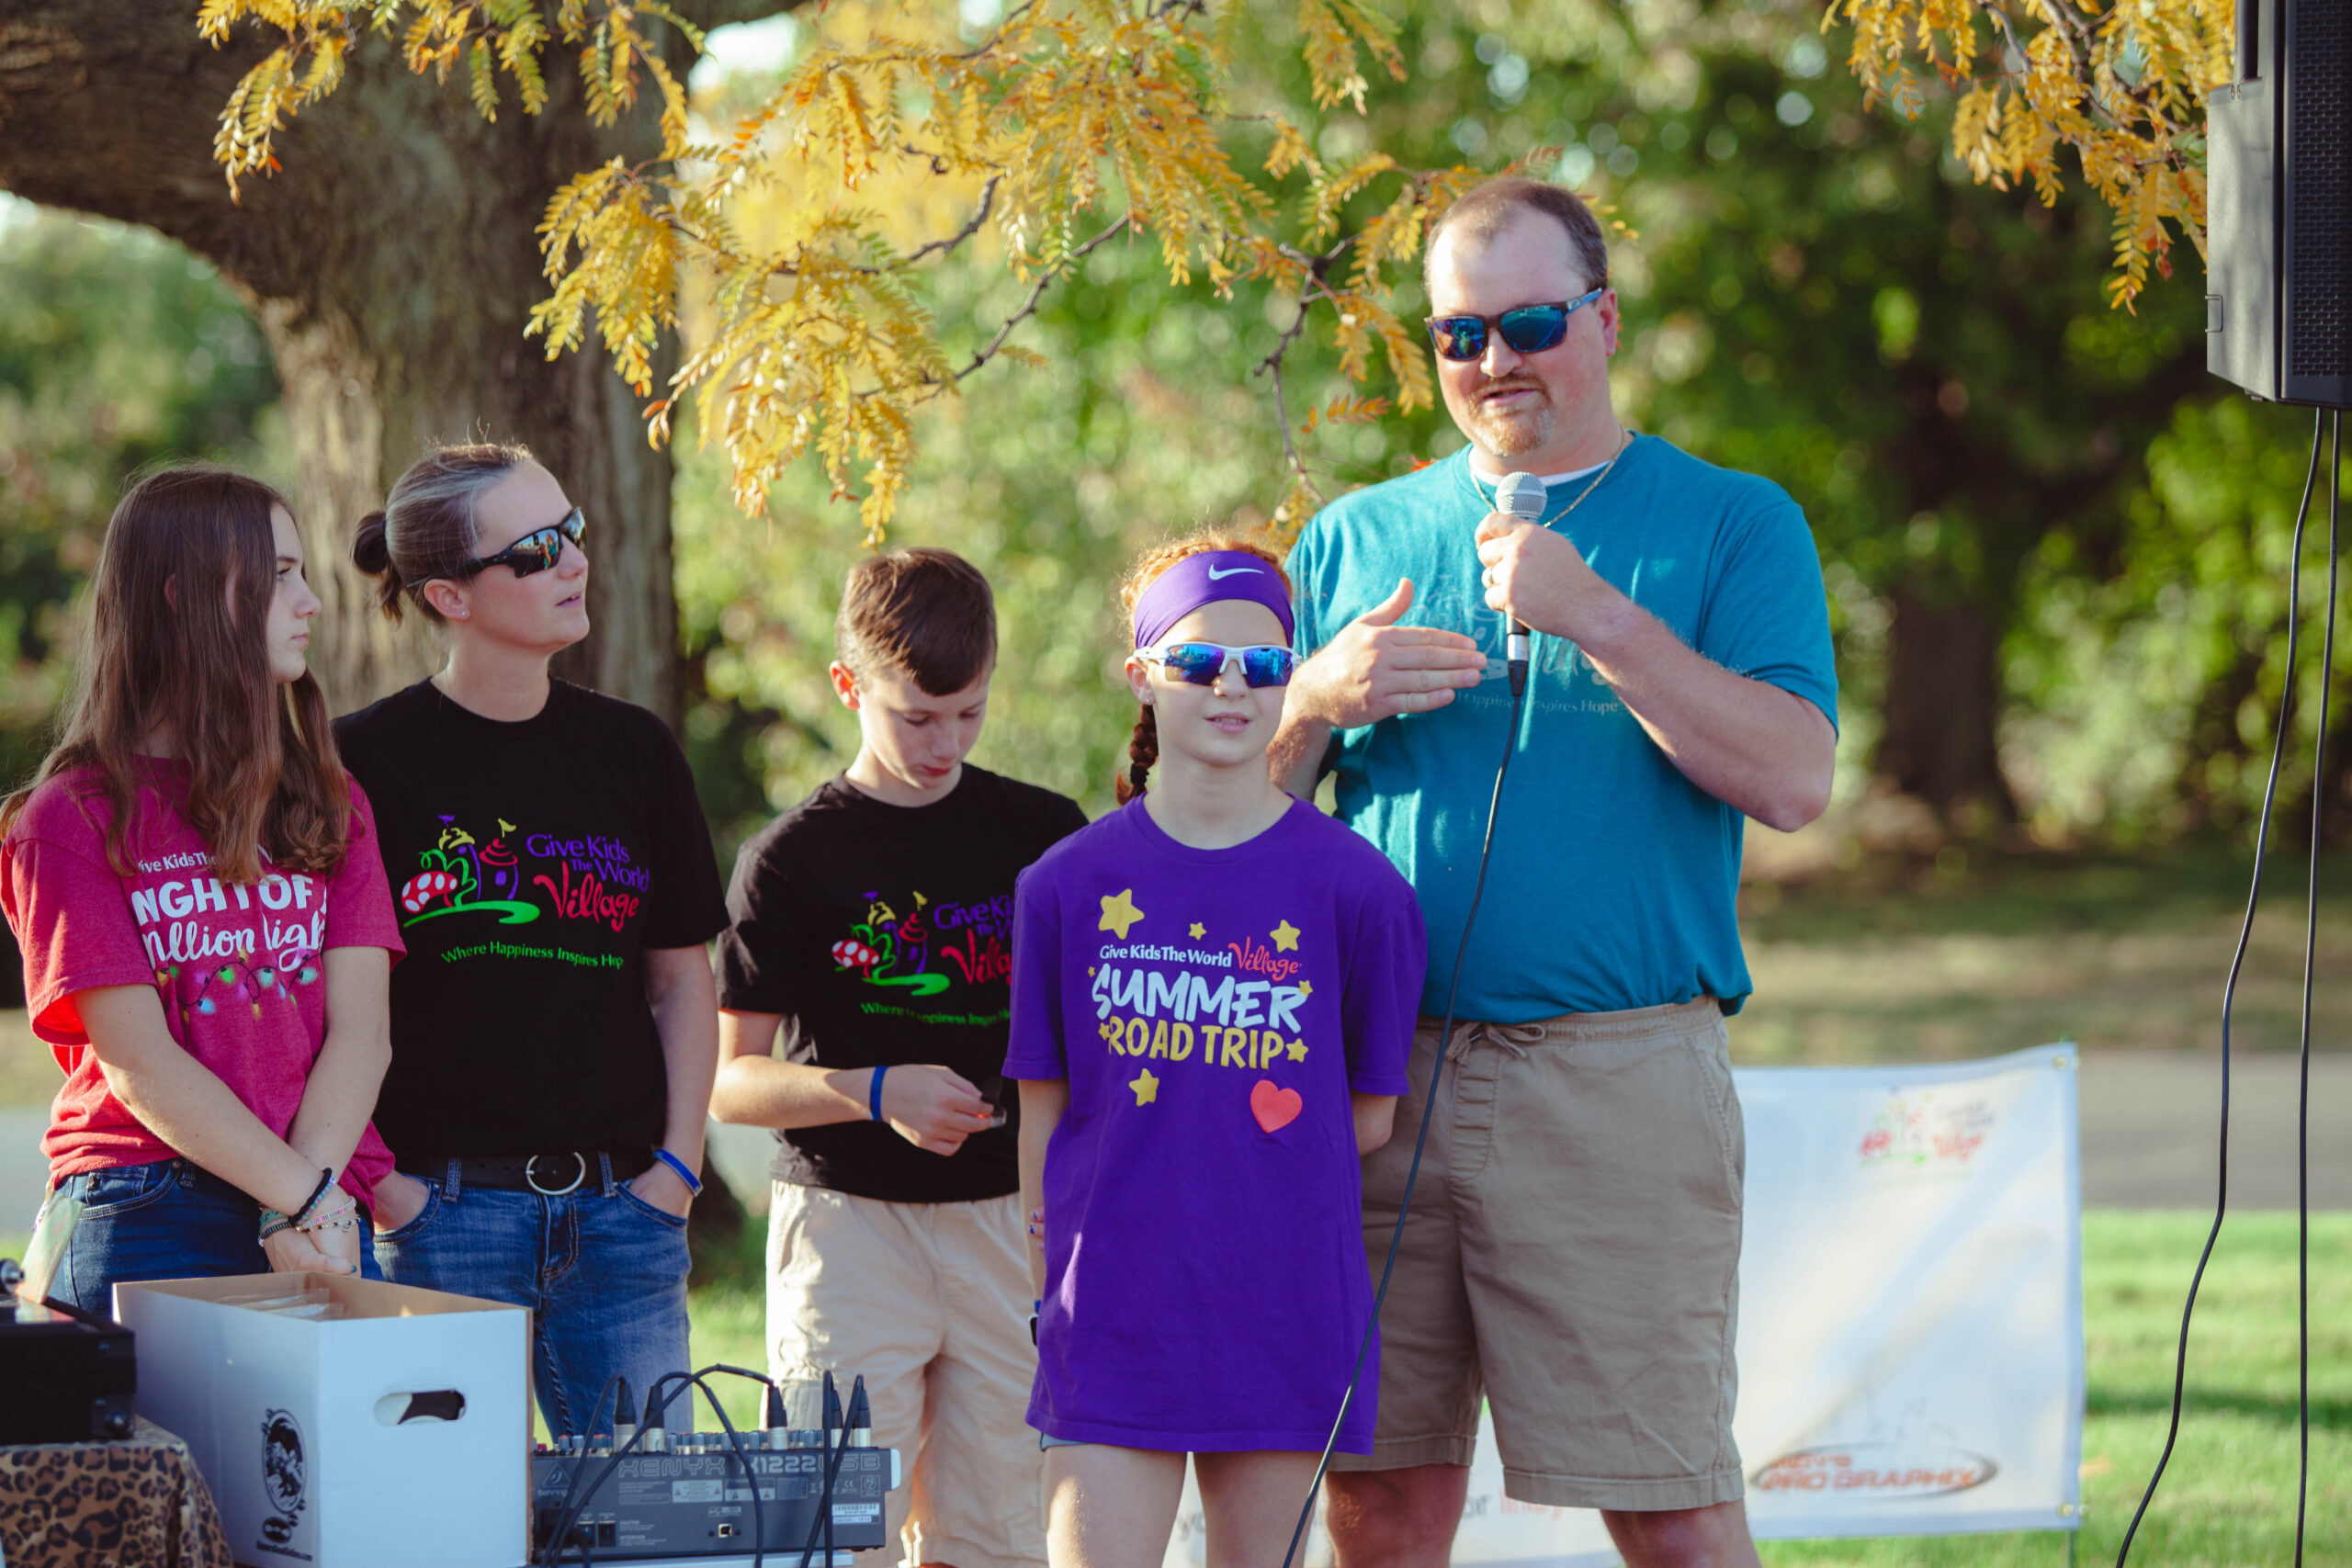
(1626, 440)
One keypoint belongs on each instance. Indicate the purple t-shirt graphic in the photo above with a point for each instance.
(1211, 1009)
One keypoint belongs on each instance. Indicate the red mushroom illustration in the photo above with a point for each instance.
(851, 954)
(424, 887)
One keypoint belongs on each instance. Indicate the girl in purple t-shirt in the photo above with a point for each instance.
(205, 926)
(1213, 993)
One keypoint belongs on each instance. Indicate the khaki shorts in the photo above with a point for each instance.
(929, 1302)
(1572, 1254)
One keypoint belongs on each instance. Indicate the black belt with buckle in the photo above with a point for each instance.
(550, 1176)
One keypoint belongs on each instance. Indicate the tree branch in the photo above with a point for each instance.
(1271, 365)
(979, 217)
(1029, 305)
(1003, 27)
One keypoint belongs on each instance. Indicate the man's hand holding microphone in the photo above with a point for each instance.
(1376, 669)
(1537, 577)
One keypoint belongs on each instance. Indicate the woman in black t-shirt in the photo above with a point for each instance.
(555, 1027)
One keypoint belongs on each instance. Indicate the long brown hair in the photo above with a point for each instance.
(178, 614)
(1143, 745)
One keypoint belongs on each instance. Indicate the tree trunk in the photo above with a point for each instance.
(392, 264)
(1943, 691)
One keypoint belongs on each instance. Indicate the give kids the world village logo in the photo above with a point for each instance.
(593, 877)
(972, 942)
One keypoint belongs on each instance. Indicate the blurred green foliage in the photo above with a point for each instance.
(2147, 685)
(117, 351)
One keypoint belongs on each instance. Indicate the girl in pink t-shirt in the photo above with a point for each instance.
(207, 931)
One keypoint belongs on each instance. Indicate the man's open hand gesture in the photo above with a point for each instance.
(1375, 669)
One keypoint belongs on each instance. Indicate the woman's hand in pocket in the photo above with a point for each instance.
(659, 1185)
(399, 1199)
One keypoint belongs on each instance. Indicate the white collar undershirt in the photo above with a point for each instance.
(1549, 480)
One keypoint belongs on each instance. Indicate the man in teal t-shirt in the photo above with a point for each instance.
(1573, 1251)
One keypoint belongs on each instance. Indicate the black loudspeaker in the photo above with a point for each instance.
(2278, 206)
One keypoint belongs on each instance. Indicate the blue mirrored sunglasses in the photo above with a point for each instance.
(1200, 663)
(1531, 328)
(535, 551)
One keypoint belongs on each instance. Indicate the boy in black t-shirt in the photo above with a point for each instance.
(873, 929)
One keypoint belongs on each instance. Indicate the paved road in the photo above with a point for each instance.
(2149, 1123)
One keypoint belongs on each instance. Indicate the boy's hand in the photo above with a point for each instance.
(933, 1108)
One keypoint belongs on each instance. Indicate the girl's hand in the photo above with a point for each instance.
(399, 1199)
(298, 1252)
(934, 1109)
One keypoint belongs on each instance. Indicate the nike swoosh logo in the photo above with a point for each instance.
(1218, 576)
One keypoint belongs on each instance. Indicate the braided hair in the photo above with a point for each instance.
(1143, 744)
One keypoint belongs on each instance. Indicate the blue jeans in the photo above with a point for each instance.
(170, 1220)
(603, 1271)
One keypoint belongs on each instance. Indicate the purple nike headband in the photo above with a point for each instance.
(1209, 577)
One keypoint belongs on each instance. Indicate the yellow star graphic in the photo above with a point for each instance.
(1306, 988)
(1119, 912)
(1199, 930)
(1285, 937)
(1297, 1049)
(1146, 1088)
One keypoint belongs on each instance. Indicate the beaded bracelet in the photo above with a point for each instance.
(331, 1215)
(336, 1214)
(311, 1204)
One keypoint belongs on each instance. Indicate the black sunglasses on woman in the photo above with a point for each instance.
(535, 551)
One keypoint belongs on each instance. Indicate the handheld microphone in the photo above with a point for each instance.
(1522, 496)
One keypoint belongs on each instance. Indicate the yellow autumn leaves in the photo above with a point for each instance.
(1073, 122)
(2122, 86)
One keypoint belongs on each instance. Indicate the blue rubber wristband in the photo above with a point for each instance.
(873, 1093)
(693, 1182)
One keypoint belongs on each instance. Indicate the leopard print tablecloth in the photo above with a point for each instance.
(135, 1504)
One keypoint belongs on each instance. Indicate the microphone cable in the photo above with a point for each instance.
(1518, 669)
(2311, 953)
(657, 1407)
(2229, 998)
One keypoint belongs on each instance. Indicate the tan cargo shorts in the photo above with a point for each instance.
(930, 1302)
(1572, 1256)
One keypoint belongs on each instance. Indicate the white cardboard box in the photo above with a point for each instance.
(308, 1426)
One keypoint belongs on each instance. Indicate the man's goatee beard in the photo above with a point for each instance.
(1505, 434)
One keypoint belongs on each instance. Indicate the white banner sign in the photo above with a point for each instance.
(1911, 1315)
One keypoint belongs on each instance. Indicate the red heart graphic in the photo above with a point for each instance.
(1274, 1108)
